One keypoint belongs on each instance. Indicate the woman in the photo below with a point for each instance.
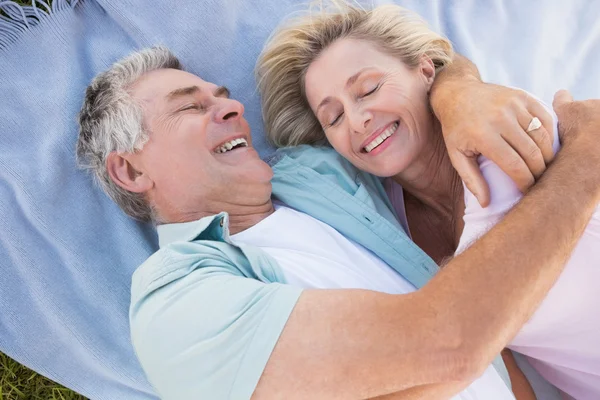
(359, 80)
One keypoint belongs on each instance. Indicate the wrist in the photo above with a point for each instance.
(574, 159)
(446, 91)
(579, 144)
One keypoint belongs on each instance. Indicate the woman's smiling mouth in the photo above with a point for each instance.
(382, 137)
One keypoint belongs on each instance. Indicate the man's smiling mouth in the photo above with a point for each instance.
(231, 145)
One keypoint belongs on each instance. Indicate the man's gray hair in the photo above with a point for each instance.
(110, 120)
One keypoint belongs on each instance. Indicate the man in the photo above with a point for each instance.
(230, 306)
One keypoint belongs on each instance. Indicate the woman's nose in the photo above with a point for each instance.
(360, 121)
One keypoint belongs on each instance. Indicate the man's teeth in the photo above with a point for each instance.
(225, 147)
(379, 139)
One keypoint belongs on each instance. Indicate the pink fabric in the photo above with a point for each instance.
(562, 339)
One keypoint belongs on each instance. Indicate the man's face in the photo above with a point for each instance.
(199, 156)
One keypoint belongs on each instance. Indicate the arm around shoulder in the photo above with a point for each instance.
(350, 343)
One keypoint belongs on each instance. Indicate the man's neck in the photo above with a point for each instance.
(241, 221)
(241, 217)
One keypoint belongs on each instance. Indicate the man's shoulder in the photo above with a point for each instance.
(178, 259)
(202, 298)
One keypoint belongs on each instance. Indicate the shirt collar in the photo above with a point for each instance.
(188, 231)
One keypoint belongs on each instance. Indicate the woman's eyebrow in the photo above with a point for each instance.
(352, 80)
(323, 103)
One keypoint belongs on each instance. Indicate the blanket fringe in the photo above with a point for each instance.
(17, 18)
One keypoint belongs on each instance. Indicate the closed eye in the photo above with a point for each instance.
(371, 91)
(336, 120)
(191, 107)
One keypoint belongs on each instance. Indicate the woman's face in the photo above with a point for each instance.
(373, 108)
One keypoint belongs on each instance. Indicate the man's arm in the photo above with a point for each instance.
(520, 386)
(482, 118)
(363, 344)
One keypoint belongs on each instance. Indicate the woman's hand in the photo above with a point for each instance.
(485, 119)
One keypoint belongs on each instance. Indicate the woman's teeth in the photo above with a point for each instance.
(381, 138)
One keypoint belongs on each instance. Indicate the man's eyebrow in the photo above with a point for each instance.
(222, 91)
(185, 91)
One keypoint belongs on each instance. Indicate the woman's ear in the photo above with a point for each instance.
(125, 175)
(427, 71)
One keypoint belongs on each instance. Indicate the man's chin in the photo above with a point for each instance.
(261, 171)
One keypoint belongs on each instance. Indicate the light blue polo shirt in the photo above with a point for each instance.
(206, 314)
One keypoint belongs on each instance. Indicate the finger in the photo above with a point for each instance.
(544, 136)
(468, 170)
(561, 98)
(502, 154)
(525, 146)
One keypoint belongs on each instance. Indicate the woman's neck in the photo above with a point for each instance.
(434, 201)
(432, 179)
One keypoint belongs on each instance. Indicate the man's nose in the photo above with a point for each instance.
(229, 110)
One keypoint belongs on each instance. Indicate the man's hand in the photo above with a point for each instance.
(484, 119)
(576, 117)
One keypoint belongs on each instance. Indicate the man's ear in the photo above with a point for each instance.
(427, 71)
(123, 173)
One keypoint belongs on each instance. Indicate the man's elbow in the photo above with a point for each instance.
(463, 357)
(468, 365)
(459, 351)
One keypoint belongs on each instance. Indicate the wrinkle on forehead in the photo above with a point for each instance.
(151, 93)
(353, 55)
(156, 85)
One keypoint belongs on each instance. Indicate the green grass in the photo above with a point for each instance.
(18, 382)
(28, 3)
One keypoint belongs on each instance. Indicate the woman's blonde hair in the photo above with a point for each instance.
(282, 66)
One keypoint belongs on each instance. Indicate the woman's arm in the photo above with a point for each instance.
(503, 195)
(520, 385)
(482, 118)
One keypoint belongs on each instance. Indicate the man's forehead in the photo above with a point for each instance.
(159, 84)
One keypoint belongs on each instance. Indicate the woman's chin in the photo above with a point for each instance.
(384, 172)
(384, 167)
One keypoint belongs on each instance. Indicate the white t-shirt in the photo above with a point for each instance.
(311, 254)
(562, 339)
